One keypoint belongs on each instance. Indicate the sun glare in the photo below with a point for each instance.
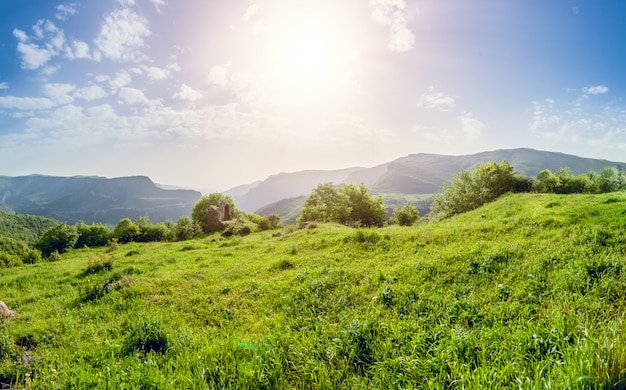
(309, 53)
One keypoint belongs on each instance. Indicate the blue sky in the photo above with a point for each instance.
(212, 94)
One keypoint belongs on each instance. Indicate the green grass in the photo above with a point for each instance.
(526, 292)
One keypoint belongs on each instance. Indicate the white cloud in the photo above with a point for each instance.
(153, 73)
(597, 90)
(436, 100)
(126, 3)
(65, 10)
(121, 37)
(219, 75)
(581, 122)
(79, 49)
(90, 93)
(20, 35)
(188, 93)
(471, 128)
(121, 79)
(174, 66)
(133, 96)
(33, 57)
(58, 92)
(251, 11)
(25, 103)
(158, 4)
(393, 14)
(46, 42)
(4, 85)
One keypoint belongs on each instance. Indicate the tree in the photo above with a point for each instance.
(93, 235)
(350, 204)
(470, 190)
(126, 230)
(406, 216)
(185, 228)
(325, 204)
(364, 209)
(60, 238)
(546, 182)
(200, 212)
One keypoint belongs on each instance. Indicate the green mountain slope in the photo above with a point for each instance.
(94, 199)
(524, 292)
(23, 227)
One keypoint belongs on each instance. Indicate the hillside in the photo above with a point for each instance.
(416, 174)
(26, 228)
(94, 199)
(525, 292)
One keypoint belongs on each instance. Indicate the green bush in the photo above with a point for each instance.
(60, 238)
(146, 335)
(406, 216)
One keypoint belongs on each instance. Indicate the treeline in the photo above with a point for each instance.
(62, 237)
(470, 190)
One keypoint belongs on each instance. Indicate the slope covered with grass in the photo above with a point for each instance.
(528, 291)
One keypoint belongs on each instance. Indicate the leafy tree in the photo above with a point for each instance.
(325, 204)
(126, 230)
(200, 211)
(185, 228)
(350, 204)
(609, 180)
(93, 235)
(364, 209)
(546, 182)
(470, 190)
(406, 216)
(60, 238)
(270, 222)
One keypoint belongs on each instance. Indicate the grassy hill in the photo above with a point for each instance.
(525, 292)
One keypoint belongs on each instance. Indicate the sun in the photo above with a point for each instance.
(309, 52)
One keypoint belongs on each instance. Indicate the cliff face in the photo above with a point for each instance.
(94, 199)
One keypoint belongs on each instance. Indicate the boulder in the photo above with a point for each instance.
(217, 215)
(5, 312)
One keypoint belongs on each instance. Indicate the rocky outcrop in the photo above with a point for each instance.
(217, 215)
(5, 312)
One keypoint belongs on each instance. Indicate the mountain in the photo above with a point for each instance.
(284, 185)
(415, 174)
(94, 199)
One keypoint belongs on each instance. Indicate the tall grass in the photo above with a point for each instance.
(525, 292)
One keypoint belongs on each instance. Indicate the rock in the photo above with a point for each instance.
(217, 215)
(5, 312)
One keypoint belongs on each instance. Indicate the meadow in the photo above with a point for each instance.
(528, 291)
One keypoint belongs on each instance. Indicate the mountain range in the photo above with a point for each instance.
(94, 199)
(412, 179)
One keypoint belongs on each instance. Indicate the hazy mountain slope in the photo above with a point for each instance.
(421, 173)
(286, 185)
(94, 199)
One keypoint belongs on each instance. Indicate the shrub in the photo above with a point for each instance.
(92, 236)
(60, 238)
(7, 260)
(146, 335)
(102, 262)
(406, 216)
(34, 256)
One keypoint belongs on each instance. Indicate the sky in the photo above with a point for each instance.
(212, 94)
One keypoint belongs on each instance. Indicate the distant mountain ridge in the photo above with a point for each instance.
(94, 199)
(421, 173)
